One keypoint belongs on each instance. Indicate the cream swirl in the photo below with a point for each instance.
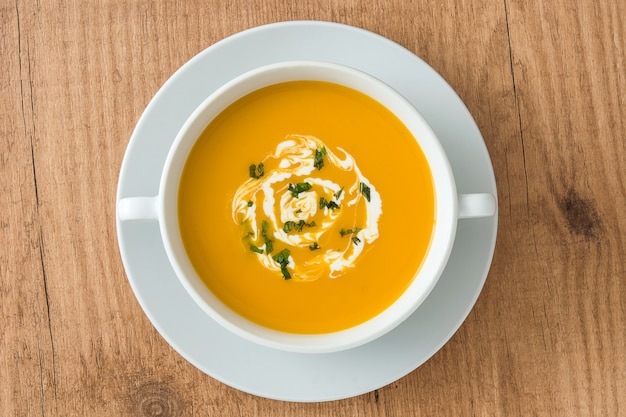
(324, 223)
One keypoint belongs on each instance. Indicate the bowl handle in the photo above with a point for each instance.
(477, 205)
(137, 208)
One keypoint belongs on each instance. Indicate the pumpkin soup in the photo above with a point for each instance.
(306, 207)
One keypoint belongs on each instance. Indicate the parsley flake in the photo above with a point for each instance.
(285, 272)
(299, 188)
(288, 226)
(297, 226)
(330, 204)
(282, 258)
(344, 232)
(257, 172)
(255, 249)
(365, 190)
(318, 161)
(269, 243)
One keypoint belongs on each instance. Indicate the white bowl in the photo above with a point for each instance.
(164, 206)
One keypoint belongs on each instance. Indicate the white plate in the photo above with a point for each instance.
(263, 371)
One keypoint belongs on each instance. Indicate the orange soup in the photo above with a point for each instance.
(306, 207)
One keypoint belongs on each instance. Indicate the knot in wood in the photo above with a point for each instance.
(581, 215)
(157, 400)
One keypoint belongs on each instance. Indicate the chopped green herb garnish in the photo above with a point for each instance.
(250, 203)
(365, 190)
(257, 172)
(299, 188)
(318, 162)
(291, 225)
(356, 240)
(330, 204)
(255, 249)
(314, 246)
(269, 243)
(344, 232)
(338, 194)
(288, 226)
(282, 258)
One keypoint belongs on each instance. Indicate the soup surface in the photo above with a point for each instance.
(306, 207)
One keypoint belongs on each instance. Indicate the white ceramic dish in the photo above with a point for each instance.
(268, 372)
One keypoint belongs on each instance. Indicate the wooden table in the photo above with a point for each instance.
(546, 84)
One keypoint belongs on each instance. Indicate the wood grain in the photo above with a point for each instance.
(546, 83)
